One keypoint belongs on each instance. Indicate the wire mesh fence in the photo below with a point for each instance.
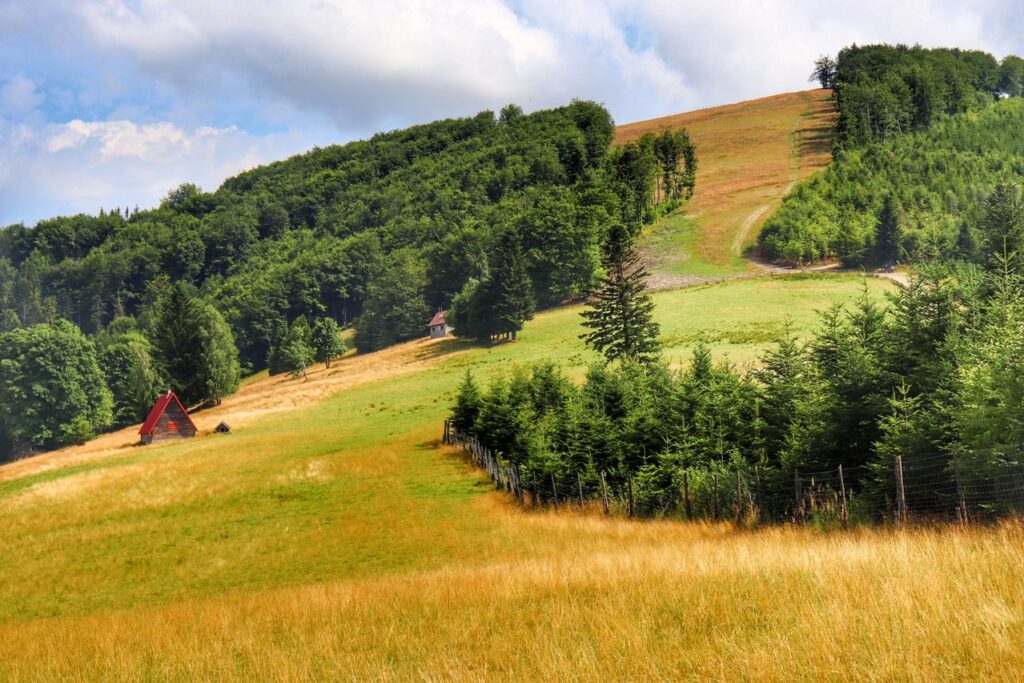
(934, 488)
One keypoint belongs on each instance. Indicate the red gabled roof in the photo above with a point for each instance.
(438, 319)
(158, 409)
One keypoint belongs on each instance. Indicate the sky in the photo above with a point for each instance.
(111, 103)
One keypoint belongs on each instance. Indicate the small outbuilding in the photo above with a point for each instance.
(438, 326)
(167, 420)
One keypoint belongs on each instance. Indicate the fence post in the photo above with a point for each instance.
(736, 507)
(843, 513)
(901, 494)
(579, 485)
(714, 496)
(604, 493)
(554, 489)
(798, 498)
(687, 503)
(757, 492)
(444, 439)
(535, 494)
(961, 504)
(631, 503)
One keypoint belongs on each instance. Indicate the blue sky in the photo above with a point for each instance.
(109, 103)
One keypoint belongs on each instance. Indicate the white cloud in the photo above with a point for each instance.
(19, 96)
(113, 139)
(82, 166)
(747, 49)
(139, 94)
(369, 66)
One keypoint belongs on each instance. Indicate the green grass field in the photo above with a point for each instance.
(344, 487)
(332, 538)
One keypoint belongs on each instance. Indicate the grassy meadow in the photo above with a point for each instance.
(330, 536)
(749, 155)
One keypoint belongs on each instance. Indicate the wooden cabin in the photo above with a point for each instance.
(438, 326)
(167, 420)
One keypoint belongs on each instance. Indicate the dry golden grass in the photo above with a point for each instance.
(586, 598)
(258, 398)
(750, 155)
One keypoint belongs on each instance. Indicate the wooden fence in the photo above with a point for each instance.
(927, 489)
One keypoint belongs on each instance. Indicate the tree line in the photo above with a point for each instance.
(886, 90)
(859, 393)
(377, 233)
(490, 216)
(932, 377)
(913, 198)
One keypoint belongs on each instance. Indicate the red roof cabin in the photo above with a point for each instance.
(438, 326)
(167, 420)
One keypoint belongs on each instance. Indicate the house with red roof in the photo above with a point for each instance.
(438, 326)
(167, 420)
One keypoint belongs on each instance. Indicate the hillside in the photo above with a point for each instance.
(331, 494)
(925, 139)
(941, 179)
(751, 154)
(332, 536)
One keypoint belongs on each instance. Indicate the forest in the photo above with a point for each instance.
(923, 393)
(927, 385)
(922, 138)
(501, 213)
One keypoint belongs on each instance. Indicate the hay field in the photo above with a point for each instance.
(330, 537)
(749, 155)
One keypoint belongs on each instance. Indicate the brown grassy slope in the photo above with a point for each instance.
(750, 154)
(592, 599)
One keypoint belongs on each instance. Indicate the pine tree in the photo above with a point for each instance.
(509, 290)
(620, 314)
(194, 347)
(467, 406)
(1003, 222)
(889, 232)
(177, 340)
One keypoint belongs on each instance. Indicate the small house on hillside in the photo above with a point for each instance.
(438, 326)
(167, 420)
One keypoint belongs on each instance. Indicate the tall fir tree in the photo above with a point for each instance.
(177, 340)
(467, 406)
(194, 347)
(1003, 224)
(620, 313)
(509, 289)
(889, 232)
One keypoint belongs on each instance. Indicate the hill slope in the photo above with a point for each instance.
(751, 154)
(330, 537)
(330, 514)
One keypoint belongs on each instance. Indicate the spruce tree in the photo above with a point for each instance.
(177, 341)
(509, 290)
(889, 232)
(194, 347)
(467, 406)
(1003, 222)
(620, 313)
